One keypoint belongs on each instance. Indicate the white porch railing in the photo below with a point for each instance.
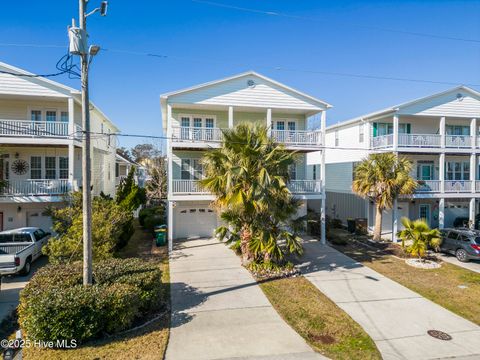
(458, 185)
(33, 128)
(36, 187)
(304, 186)
(382, 141)
(297, 137)
(187, 187)
(295, 186)
(458, 141)
(477, 185)
(428, 186)
(419, 140)
(183, 133)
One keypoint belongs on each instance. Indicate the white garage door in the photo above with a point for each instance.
(194, 222)
(38, 219)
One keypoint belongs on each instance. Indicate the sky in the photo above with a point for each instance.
(294, 42)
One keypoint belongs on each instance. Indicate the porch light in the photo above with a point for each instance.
(19, 209)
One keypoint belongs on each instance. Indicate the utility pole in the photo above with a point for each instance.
(79, 46)
(86, 159)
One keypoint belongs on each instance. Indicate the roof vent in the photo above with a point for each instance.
(250, 83)
(459, 97)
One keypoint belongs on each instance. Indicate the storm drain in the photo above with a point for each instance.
(437, 334)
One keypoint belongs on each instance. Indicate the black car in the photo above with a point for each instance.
(463, 243)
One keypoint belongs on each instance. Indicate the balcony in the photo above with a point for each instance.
(203, 135)
(423, 141)
(458, 141)
(36, 187)
(458, 186)
(295, 186)
(298, 137)
(305, 186)
(427, 186)
(419, 140)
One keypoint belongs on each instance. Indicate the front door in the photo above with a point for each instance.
(424, 213)
(425, 171)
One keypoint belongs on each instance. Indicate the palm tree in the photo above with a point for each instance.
(382, 178)
(420, 235)
(249, 176)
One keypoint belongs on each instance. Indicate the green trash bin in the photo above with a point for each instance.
(160, 235)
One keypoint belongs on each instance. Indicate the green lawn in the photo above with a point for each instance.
(147, 343)
(326, 327)
(450, 286)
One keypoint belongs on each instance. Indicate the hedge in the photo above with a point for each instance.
(55, 305)
(149, 217)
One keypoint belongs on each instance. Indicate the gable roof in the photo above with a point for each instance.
(39, 86)
(197, 88)
(399, 107)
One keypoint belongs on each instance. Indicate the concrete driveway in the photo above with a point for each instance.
(396, 318)
(473, 265)
(12, 285)
(219, 311)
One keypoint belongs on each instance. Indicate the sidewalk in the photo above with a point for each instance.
(395, 317)
(219, 311)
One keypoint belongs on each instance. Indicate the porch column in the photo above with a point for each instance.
(323, 125)
(71, 147)
(230, 117)
(395, 132)
(394, 220)
(442, 132)
(441, 175)
(441, 213)
(473, 171)
(473, 132)
(269, 122)
(471, 213)
(170, 225)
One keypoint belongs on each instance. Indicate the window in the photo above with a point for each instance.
(314, 172)
(51, 115)
(337, 140)
(63, 167)
(457, 130)
(185, 169)
(64, 116)
(101, 128)
(292, 171)
(361, 133)
(280, 125)
(457, 170)
(452, 235)
(50, 167)
(35, 167)
(117, 170)
(380, 129)
(185, 131)
(197, 169)
(209, 123)
(185, 121)
(36, 115)
(291, 125)
(197, 122)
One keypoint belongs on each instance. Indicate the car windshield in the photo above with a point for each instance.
(11, 238)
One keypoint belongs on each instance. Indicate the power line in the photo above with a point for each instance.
(368, 27)
(271, 68)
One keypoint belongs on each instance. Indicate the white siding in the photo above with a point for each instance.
(344, 206)
(236, 92)
(16, 85)
(349, 147)
(446, 105)
(339, 177)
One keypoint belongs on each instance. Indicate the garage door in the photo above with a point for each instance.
(38, 219)
(452, 211)
(194, 222)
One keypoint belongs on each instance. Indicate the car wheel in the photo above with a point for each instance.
(27, 267)
(461, 255)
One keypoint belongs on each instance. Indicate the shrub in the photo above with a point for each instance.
(150, 217)
(112, 227)
(55, 305)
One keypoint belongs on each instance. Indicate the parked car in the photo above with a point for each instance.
(461, 222)
(19, 248)
(463, 243)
